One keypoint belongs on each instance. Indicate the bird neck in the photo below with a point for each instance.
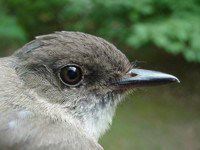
(96, 118)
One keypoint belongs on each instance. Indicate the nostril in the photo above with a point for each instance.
(132, 74)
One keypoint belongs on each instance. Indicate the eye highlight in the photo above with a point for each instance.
(71, 75)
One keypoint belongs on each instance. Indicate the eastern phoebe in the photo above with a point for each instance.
(60, 91)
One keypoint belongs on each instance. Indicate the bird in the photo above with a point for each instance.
(60, 91)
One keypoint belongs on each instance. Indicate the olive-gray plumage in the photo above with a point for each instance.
(38, 112)
(60, 91)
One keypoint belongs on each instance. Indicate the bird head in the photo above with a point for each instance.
(84, 74)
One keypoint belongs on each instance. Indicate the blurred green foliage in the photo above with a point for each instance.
(173, 26)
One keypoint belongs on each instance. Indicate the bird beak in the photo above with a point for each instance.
(141, 77)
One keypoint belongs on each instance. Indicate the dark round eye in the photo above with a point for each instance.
(71, 75)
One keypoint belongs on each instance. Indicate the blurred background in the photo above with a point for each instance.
(156, 34)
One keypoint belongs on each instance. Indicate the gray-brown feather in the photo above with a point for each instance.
(26, 123)
(38, 112)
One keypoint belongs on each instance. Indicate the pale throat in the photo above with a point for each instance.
(98, 119)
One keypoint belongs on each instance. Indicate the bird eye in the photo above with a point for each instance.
(71, 75)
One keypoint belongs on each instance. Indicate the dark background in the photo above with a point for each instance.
(156, 34)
